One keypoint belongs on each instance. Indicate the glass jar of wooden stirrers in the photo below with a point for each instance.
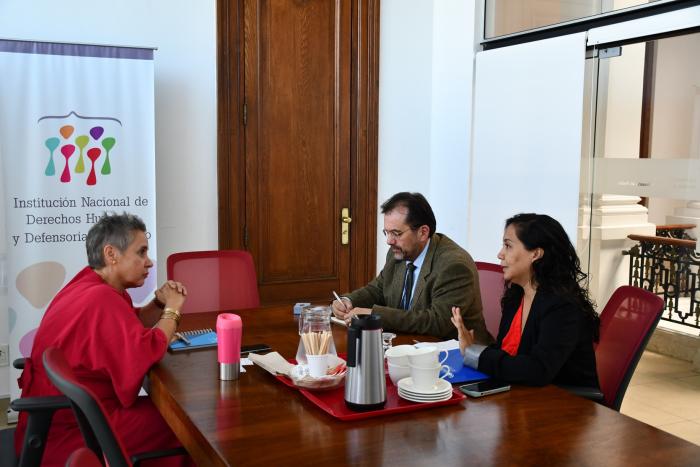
(316, 341)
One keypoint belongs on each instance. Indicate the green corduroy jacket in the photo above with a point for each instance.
(447, 278)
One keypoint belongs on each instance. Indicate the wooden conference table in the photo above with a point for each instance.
(258, 420)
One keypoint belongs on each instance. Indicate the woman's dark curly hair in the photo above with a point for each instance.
(558, 271)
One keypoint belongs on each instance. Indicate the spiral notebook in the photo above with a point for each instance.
(199, 339)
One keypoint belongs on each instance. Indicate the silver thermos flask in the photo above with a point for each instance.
(365, 382)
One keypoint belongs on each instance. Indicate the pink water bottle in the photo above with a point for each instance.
(229, 328)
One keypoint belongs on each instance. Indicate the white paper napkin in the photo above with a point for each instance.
(272, 362)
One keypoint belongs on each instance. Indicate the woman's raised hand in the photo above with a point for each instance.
(465, 336)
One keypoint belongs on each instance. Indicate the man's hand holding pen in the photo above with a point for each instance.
(343, 309)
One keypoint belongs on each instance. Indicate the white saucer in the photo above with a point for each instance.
(424, 399)
(431, 397)
(440, 388)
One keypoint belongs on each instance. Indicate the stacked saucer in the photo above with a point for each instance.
(440, 391)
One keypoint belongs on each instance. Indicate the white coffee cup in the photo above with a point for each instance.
(426, 356)
(398, 354)
(317, 364)
(425, 378)
(397, 372)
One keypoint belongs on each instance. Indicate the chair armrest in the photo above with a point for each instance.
(136, 459)
(18, 363)
(40, 411)
(593, 394)
(40, 404)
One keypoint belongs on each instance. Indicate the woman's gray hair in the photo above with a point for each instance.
(112, 229)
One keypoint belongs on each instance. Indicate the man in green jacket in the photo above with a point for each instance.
(425, 275)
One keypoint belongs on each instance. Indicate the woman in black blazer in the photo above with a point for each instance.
(549, 325)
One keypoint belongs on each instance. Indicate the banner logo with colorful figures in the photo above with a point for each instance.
(80, 146)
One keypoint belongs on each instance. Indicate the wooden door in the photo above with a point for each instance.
(297, 93)
(303, 73)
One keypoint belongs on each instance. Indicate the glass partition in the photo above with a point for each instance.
(640, 195)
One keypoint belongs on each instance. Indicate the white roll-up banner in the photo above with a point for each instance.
(76, 141)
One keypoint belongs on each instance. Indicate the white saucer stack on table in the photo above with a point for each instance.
(441, 391)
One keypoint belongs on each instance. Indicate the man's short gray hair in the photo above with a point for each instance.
(112, 229)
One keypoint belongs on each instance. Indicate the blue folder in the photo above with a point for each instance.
(461, 373)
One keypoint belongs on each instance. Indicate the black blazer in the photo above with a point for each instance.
(556, 346)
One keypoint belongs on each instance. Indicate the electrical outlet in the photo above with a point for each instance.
(4, 354)
(12, 416)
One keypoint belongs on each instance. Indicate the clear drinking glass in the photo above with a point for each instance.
(387, 337)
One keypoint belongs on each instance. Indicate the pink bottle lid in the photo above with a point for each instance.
(229, 329)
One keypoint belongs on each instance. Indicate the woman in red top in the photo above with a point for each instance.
(109, 344)
(548, 325)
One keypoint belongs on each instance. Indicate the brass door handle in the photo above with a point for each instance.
(345, 220)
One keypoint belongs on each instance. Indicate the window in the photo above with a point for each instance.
(512, 16)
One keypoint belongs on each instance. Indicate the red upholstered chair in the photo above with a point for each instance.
(626, 324)
(95, 427)
(491, 287)
(215, 280)
(83, 457)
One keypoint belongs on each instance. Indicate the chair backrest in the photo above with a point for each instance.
(626, 324)
(94, 425)
(215, 280)
(491, 287)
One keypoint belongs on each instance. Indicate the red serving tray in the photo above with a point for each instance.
(333, 403)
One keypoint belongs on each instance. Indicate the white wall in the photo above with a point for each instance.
(405, 88)
(425, 93)
(453, 67)
(185, 89)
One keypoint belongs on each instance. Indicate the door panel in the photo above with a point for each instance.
(297, 94)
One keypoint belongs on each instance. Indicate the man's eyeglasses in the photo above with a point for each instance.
(394, 234)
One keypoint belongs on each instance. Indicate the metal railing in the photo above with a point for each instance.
(667, 265)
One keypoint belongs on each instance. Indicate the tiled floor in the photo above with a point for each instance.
(665, 393)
